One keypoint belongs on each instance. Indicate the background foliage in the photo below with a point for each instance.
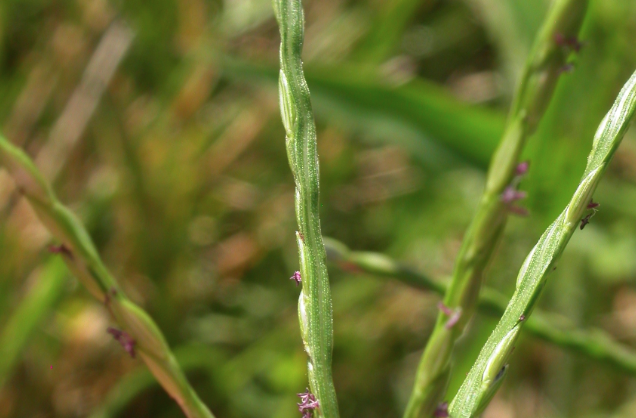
(181, 175)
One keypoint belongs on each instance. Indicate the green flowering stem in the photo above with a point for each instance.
(314, 306)
(555, 329)
(546, 62)
(489, 369)
(81, 257)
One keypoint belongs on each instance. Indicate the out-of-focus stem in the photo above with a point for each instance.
(21, 324)
(555, 329)
(80, 255)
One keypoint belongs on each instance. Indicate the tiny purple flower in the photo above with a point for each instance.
(593, 205)
(124, 339)
(441, 411)
(522, 318)
(308, 402)
(296, 278)
(512, 195)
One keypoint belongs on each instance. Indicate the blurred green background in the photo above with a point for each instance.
(158, 123)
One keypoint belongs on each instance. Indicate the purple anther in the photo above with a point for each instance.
(453, 314)
(445, 309)
(510, 195)
(308, 402)
(594, 207)
(441, 411)
(296, 277)
(522, 168)
(453, 319)
(586, 220)
(61, 249)
(124, 339)
(567, 68)
(522, 318)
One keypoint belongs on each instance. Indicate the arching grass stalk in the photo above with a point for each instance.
(487, 373)
(139, 332)
(592, 343)
(548, 59)
(314, 305)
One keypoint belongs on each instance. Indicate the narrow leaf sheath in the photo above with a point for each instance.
(485, 375)
(314, 306)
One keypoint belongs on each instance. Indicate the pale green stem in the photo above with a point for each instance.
(81, 257)
(488, 371)
(314, 307)
(543, 68)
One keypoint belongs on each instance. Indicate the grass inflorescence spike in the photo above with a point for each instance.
(315, 311)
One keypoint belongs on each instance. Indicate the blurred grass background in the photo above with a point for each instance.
(158, 123)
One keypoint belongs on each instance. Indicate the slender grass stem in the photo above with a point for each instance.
(487, 373)
(546, 62)
(555, 329)
(81, 257)
(315, 311)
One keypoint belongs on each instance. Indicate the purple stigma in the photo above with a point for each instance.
(124, 339)
(308, 402)
(296, 277)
